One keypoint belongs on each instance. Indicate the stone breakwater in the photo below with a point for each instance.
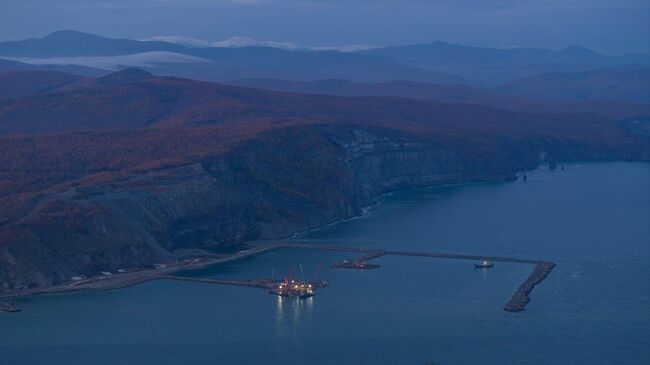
(522, 295)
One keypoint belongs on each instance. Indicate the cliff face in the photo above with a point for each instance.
(269, 187)
(280, 182)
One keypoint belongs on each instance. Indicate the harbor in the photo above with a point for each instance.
(288, 287)
(521, 297)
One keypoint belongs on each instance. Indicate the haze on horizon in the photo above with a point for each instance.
(612, 27)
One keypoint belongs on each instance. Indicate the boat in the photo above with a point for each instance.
(485, 264)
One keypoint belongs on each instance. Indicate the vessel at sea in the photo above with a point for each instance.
(485, 264)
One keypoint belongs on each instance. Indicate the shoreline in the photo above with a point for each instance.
(517, 303)
(376, 202)
(125, 280)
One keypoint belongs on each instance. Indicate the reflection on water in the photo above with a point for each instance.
(292, 307)
(292, 313)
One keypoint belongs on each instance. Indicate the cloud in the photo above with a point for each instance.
(146, 59)
(183, 41)
(239, 41)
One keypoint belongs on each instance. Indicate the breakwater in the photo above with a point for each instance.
(517, 302)
(522, 295)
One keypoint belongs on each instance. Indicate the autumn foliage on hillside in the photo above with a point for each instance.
(132, 121)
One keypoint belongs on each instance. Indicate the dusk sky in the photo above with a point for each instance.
(609, 26)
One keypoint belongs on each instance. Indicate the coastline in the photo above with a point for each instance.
(119, 281)
(125, 280)
(517, 303)
(376, 201)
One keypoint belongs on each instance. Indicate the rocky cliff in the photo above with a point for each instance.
(131, 169)
(280, 182)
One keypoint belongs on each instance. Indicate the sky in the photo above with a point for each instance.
(611, 26)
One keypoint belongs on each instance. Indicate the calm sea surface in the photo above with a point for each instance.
(593, 220)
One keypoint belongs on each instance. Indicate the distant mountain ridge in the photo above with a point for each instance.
(8, 65)
(622, 85)
(438, 62)
(443, 53)
(491, 66)
(72, 43)
(612, 105)
(220, 63)
(24, 83)
(133, 98)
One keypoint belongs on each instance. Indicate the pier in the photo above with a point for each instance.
(285, 288)
(255, 283)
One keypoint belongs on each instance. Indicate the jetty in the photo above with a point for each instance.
(284, 288)
(255, 283)
(262, 283)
